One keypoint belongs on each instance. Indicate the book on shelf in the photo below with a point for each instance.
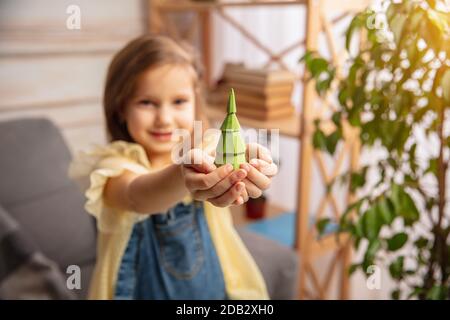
(265, 114)
(257, 77)
(261, 91)
(261, 94)
(254, 111)
(253, 102)
(219, 95)
(263, 103)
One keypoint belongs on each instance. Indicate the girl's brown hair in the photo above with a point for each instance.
(128, 64)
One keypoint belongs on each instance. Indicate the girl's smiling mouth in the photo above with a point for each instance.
(161, 135)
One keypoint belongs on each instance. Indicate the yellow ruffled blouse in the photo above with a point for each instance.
(243, 279)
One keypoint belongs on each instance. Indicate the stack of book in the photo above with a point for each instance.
(261, 94)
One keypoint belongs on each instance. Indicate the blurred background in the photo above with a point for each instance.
(51, 67)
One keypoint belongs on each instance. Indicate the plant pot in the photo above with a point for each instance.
(256, 208)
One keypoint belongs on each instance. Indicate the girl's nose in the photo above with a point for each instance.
(164, 116)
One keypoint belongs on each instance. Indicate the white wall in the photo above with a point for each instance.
(49, 70)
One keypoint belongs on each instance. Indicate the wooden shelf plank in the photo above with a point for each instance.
(328, 243)
(172, 5)
(289, 126)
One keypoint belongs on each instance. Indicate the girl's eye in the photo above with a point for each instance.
(146, 102)
(179, 102)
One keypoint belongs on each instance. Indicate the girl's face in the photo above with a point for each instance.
(164, 100)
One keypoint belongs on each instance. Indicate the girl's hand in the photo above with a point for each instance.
(260, 170)
(221, 186)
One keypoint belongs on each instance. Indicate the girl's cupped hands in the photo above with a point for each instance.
(222, 186)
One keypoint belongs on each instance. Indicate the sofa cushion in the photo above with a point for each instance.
(278, 264)
(25, 273)
(37, 192)
(59, 226)
(34, 160)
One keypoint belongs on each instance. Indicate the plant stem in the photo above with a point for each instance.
(442, 168)
(441, 248)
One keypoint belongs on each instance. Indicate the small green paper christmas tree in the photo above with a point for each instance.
(231, 146)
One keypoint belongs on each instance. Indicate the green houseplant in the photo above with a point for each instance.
(395, 90)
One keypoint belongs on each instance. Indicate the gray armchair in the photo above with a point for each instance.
(37, 194)
(44, 228)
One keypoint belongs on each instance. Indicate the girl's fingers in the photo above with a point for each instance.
(201, 181)
(199, 160)
(252, 190)
(257, 178)
(268, 169)
(223, 185)
(230, 196)
(243, 198)
(238, 201)
(245, 195)
(257, 151)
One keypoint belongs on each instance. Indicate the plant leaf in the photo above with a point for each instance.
(421, 243)
(436, 293)
(322, 224)
(332, 141)
(396, 268)
(445, 83)
(353, 268)
(319, 140)
(397, 241)
(404, 205)
(395, 295)
(385, 210)
(371, 224)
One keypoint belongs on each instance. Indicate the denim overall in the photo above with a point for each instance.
(171, 256)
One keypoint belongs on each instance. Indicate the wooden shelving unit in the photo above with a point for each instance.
(299, 126)
(289, 127)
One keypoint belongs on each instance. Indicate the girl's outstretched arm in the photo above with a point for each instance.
(149, 193)
(158, 191)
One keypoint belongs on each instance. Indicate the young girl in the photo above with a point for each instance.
(165, 231)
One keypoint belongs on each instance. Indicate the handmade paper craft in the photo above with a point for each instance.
(231, 146)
